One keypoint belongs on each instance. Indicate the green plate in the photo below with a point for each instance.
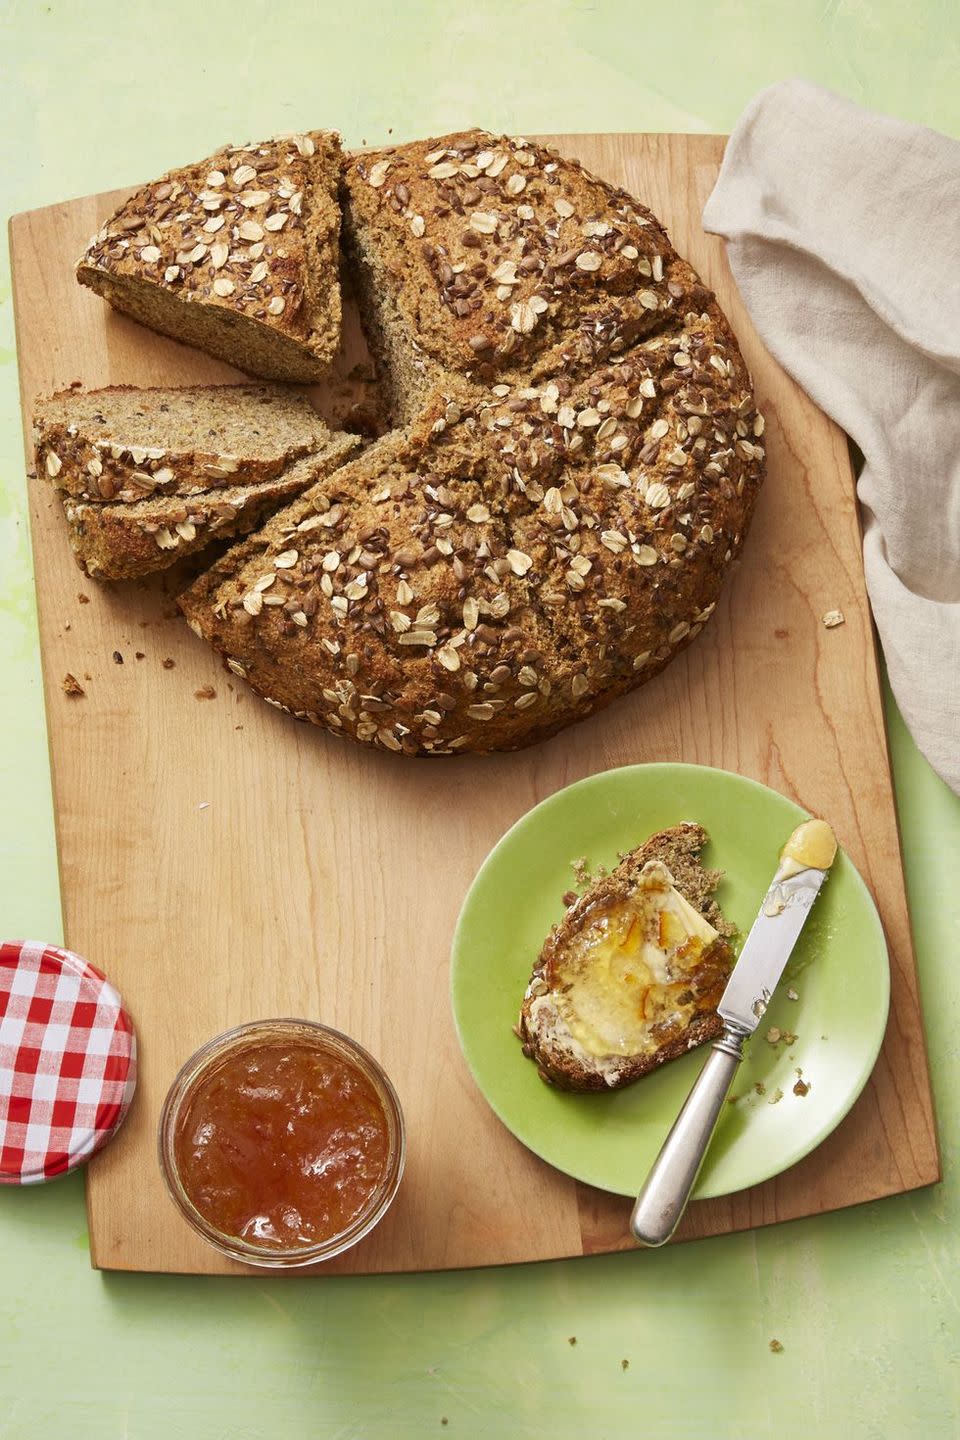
(839, 970)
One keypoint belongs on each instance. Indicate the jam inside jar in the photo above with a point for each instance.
(282, 1142)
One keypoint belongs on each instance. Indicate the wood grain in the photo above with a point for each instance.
(323, 879)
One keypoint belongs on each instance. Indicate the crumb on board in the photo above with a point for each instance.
(117, 658)
(206, 692)
(68, 626)
(777, 1347)
(832, 619)
(84, 599)
(168, 664)
(139, 655)
(70, 685)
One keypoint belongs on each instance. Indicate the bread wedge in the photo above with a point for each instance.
(126, 541)
(632, 975)
(237, 254)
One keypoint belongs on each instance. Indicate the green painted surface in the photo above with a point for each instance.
(866, 1303)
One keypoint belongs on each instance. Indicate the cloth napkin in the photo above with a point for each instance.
(843, 231)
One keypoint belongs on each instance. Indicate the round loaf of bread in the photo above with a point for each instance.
(576, 466)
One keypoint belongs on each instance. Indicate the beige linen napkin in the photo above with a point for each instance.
(843, 231)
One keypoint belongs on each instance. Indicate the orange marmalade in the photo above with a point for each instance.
(282, 1141)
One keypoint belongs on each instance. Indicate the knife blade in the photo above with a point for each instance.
(768, 947)
(766, 950)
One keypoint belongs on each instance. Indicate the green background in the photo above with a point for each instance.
(867, 1302)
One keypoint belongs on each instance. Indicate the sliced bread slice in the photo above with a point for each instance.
(125, 444)
(632, 975)
(121, 541)
(237, 254)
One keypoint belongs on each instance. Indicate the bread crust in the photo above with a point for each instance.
(543, 1035)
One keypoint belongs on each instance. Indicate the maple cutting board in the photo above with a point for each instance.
(222, 862)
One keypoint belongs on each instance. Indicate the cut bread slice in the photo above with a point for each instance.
(121, 541)
(237, 254)
(127, 445)
(632, 975)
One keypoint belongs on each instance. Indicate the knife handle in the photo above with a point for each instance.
(664, 1196)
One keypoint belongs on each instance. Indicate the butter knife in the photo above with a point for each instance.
(804, 863)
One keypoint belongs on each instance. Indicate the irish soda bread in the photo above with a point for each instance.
(575, 466)
(237, 255)
(632, 975)
(147, 476)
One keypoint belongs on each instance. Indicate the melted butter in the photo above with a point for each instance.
(812, 846)
(627, 968)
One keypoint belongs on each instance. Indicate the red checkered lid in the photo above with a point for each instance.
(68, 1061)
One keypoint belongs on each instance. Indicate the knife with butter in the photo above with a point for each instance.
(805, 861)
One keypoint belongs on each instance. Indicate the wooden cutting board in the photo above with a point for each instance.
(222, 862)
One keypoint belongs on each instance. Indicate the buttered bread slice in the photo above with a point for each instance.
(632, 975)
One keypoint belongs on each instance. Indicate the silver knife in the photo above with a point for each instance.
(752, 982)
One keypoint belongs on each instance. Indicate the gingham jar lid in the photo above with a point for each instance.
(68, 1061)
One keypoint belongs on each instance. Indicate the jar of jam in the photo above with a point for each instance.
(282, 1142)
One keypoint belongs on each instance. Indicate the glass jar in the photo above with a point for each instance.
(213, 1077)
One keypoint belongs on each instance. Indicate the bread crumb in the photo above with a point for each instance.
(776, 1347)
(206, 692)
(833, 618)
(139, 655)
(84, 599)
(732, 1099)
(773, 1036)
(68, 626)
(168, 664)
(776, 1097)
(569, 897)
(792, 994)
(571, 1339)
(760, 1088)
(584, 875)
(788, 1038)
(117, 658)
(802, 1087)
(624, 1364)
(70, 685)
